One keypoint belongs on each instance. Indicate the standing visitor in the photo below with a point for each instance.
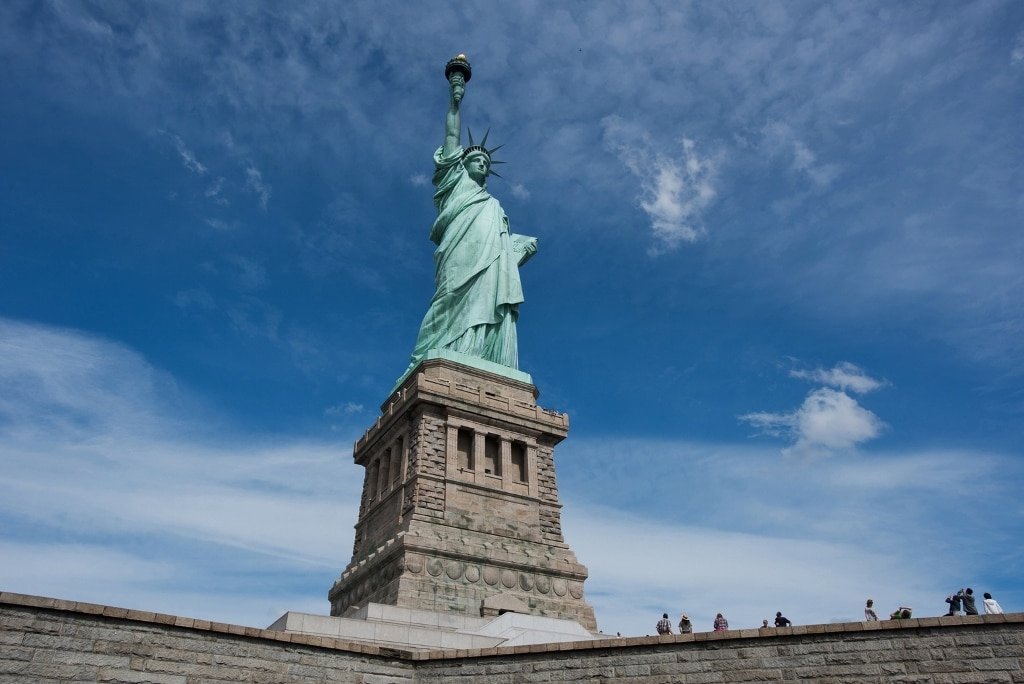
(685, 626)
(781, 621)
(721, 624)
(869, 611)
(664, 626)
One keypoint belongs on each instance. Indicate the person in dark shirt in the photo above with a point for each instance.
(967, 596)
(781, 621)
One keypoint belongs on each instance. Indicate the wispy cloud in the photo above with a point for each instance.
(96, 451)
(520, 191)
(188, 158)
(676, 185)
(220, 224)
(780, 139)
(745, 532)
(1017, 53)
(214, 192)
(255, 183)
(845, 376)
(346, 409)
(169, 508)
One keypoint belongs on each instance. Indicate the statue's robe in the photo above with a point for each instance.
(478, 292)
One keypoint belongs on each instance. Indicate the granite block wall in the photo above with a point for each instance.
(48, 640)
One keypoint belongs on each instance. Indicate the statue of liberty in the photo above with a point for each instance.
(478, 292)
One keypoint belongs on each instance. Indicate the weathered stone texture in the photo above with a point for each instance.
(46, 640)
(61, 645)
(470, 509)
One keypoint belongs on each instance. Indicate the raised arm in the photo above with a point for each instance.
(453, 121)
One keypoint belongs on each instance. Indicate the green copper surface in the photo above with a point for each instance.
(477, 289)
(471, 361)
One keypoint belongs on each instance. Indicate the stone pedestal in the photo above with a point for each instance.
(460, 510)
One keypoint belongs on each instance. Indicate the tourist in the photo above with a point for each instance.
(992, 606)
(685, 626)
(967, 596)
(664, 626)
(764, 623)
(954, 604)
(901, 613)
(869, 611)
(781, 621)
(721, 624)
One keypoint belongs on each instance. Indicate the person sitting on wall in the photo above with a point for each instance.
(992, 606)
(954, 604)
(781, 621)
(721, 624)
(664, 625)
(967, 596)
(901, 613)
(869, 611)
(685, 626)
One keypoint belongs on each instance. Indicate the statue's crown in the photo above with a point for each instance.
(482, 149)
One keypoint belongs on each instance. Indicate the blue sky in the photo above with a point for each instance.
(778, 291)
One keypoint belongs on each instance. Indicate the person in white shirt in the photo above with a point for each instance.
(992, 606)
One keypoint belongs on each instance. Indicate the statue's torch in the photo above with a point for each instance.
(458, 65)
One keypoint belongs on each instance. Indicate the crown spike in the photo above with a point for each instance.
(494, 149)
(483, 143)
(470, 131)
(492, 172)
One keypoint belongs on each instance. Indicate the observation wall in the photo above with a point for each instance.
(47, 640)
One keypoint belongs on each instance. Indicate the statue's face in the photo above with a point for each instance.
(477, 166)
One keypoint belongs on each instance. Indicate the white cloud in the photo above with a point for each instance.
(1017, 53)
(668, 525)
(675, 189)
(779, 139)
(641, 567)
(827, 421)
(254, 182)
(154, 490)
(347, 409)
(215, 190)
(219, 224)
(138, 496)
(420, 180)
(520, 191)
(845, 376)
(188, 158)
